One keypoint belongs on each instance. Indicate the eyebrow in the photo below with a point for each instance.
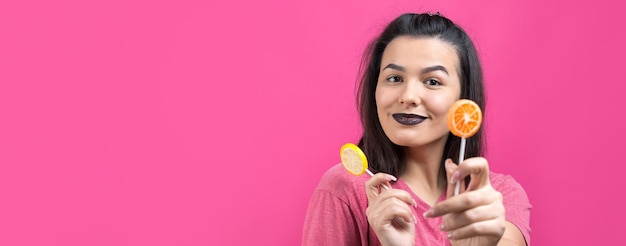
(424, 70)
(435, 68)
(396, 67)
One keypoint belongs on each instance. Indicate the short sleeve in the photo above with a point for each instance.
(333, 216)
(516, 203)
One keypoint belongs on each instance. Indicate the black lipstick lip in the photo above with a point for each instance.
(409, 119)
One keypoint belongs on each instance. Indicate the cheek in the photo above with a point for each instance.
(381, 98)
(442, 103)
(385, 96)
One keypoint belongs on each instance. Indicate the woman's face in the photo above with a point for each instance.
(418, 83)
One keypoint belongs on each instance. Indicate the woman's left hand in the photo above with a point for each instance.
(476, 215)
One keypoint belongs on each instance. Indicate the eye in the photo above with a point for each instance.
(394, 79)
(432, 82)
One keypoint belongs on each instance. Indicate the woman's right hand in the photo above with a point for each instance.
(389, 211)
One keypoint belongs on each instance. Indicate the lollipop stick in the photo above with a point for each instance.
(461, 156)
(372, 175)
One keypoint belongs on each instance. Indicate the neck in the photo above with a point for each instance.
(423, 168)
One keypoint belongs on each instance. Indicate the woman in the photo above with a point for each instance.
(412, 73)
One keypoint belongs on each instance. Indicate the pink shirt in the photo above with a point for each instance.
(336, 213)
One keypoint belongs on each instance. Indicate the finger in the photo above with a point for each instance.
(478, 170)
(388, 205)
(400, 195)
(482, 213)
(490, 228)
(372, 186)
(459, 203)
(393, 208)
(451, 168)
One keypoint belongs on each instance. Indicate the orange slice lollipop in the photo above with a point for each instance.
(353, 159)
(464, 118)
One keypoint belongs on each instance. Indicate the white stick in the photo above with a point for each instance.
(372, 175)
(461, 156)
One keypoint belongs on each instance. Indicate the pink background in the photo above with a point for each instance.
(211, 122)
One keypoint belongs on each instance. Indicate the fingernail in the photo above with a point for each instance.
(441, 227)
(449, 235)
(391, 177)
(455, 177)
(415, 219)
(429, 213)
(414, 203)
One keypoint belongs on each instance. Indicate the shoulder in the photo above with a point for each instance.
(506, 184)
(336, 211)
(340, 183)
(511, 190)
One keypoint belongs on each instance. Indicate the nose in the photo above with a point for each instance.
(411, 94)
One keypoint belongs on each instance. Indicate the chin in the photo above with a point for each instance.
(414, 139)
(404, 141)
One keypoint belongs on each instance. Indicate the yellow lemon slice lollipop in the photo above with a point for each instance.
(353, 159)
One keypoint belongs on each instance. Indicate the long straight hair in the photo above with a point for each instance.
(384, 155)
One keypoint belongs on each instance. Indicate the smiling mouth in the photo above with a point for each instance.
(409, 119)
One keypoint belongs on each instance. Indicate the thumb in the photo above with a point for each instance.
(451, 168)
(373, 185)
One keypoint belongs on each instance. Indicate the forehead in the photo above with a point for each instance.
(419, 52)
